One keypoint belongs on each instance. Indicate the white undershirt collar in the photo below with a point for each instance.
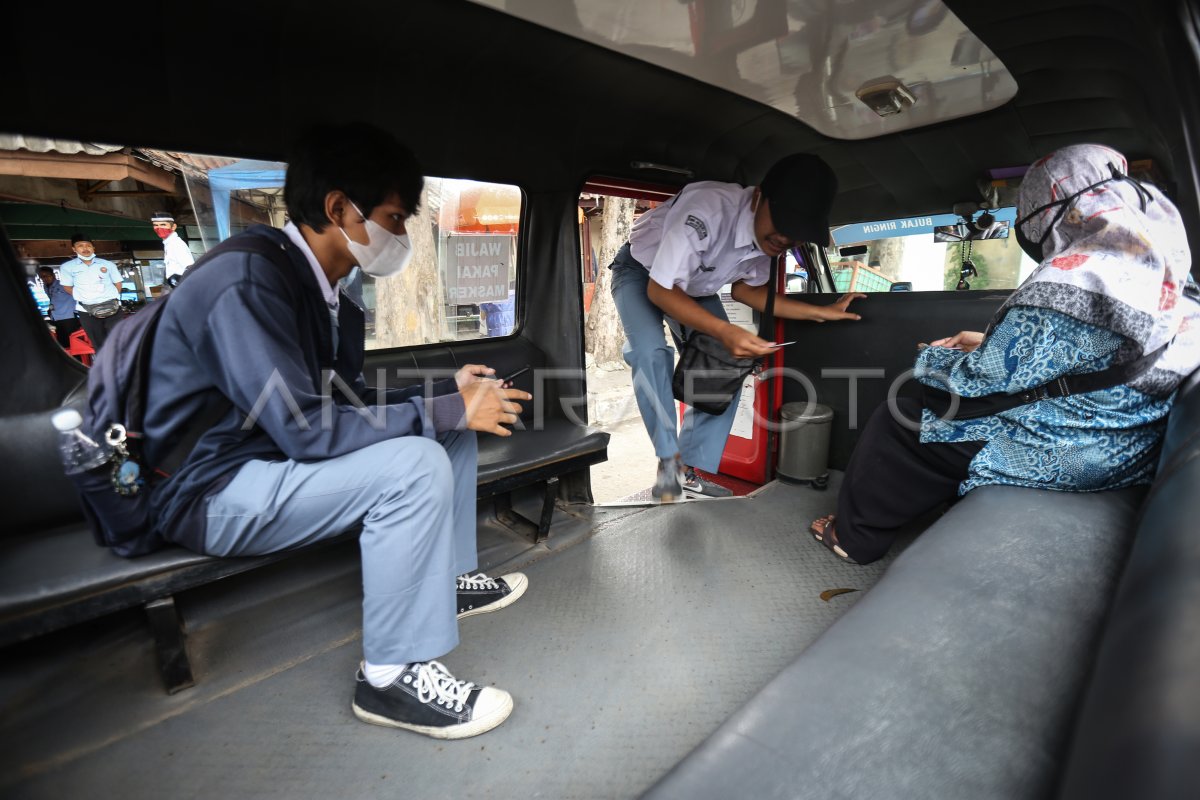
(330, 292)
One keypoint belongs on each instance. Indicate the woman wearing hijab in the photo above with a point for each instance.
(1069, 388)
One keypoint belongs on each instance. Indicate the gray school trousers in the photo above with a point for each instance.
(415, 499)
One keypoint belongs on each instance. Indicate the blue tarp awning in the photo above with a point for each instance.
(246, 174)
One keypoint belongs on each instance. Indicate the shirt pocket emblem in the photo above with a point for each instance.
(696, 224)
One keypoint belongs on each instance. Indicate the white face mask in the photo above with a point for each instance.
(384, 254)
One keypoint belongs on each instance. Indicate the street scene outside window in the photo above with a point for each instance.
(461, 283)
(145, 209)
(605, 220)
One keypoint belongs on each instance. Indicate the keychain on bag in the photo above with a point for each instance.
(127, 478)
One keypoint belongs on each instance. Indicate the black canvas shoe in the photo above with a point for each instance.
(693, 484)
(427, 699)
(479, 594)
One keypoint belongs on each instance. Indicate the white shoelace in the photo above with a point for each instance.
(477, 581)
(434, 681)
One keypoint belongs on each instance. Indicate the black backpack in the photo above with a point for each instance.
(116, 495)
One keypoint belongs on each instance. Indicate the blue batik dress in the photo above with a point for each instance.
(1100, 440)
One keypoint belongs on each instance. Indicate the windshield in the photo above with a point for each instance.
(938, 252)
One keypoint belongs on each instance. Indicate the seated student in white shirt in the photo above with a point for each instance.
(678, 257)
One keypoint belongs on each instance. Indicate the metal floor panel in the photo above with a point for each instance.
(628, 650)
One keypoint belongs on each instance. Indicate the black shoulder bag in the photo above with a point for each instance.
(708, 376)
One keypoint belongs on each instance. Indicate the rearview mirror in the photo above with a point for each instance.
(982, 226)
(856, 250)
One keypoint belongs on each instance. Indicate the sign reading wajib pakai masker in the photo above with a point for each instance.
(476, 267)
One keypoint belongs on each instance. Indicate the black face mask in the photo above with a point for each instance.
(1032, 249)
(1035, 249)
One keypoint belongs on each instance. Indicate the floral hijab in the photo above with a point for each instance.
(1113, 254)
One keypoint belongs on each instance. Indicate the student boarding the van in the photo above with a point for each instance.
(253, 334)
(678, 257)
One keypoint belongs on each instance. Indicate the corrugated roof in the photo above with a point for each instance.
(36, 144)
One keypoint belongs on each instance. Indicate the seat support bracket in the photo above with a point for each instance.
(170, 644)
(536, 531)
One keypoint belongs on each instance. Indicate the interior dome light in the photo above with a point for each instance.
(886, 96)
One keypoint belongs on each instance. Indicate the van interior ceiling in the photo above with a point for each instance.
(1024, 643)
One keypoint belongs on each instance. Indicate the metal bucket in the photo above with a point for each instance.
(804, 443)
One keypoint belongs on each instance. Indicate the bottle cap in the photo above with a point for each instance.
(66, 419)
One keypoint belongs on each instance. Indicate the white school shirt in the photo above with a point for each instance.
(701, 240)
(91, 283)
(176, 255)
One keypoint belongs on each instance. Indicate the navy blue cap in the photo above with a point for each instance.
(800, 189)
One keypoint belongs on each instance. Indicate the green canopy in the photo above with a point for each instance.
(26, 221)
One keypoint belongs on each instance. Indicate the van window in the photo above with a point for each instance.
(460, 284)
(940, 252)
(463, 279)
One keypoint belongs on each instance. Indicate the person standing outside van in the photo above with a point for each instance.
(176, 255)
(62, 307)
(677, 259)
(95, 284)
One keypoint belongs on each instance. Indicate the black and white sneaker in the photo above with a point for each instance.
(427, 699)
(479, 594)
(694, 485)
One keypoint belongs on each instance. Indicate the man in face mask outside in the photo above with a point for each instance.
(176, 255)
(291, 461)
(95, 284)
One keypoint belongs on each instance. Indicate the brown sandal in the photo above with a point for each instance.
(823, 530)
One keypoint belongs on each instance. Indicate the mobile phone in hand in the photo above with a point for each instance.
(517, 374)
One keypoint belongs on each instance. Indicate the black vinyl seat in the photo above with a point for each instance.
(1137, 733)
(975, 668)
(955, 676)
(51, 579)
(524, 457)
(53, 575)
(539, 455)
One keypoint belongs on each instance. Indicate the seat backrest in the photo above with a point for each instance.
(506, 355)
(39, 378)
(1183, 426)
(1138, 730)
(34, 492)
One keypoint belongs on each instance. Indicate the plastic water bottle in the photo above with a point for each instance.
(79, 453)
